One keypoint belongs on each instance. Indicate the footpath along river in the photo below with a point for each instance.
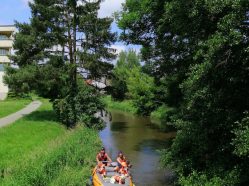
(140, 142)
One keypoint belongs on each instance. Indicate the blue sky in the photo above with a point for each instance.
(14, 10)
(19, 10)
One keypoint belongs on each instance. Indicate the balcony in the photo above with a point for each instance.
(8, 43)
(4, 59)
(8, 29)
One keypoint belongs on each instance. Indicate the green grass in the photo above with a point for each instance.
(12, 105)
(161, 117)
(159, 113)
(37, 150)
(125, 105)
(27, 134)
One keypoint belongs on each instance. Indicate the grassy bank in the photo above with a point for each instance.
(125, 105)
(37, 150)
(12, 105)
(161, 113)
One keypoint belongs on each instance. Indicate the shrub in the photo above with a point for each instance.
(80, 108)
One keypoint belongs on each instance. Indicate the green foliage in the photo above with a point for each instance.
(61, 38)
(241, 140)
(199, 51)
(164, 114)
(125, 105)
(49, 81)
(80, 108)
(126, 62)
(196, 179)
(141, 90)
(14, 79)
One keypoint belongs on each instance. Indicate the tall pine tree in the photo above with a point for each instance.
(62, 36)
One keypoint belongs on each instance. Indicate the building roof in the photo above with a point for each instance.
(7, 28)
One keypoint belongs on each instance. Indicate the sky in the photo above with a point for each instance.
(19, 10)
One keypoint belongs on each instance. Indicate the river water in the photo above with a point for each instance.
(139, 141)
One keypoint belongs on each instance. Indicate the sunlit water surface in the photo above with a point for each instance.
(140, 142)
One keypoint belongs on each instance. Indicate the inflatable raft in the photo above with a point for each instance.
(98, 180)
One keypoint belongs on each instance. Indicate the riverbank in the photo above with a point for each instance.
(125, 105)
(38, 150)
(157, 117)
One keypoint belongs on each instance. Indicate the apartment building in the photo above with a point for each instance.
(6, 43)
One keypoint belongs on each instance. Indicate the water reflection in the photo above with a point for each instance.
(141, 144)
(152, 145)
(119, 126)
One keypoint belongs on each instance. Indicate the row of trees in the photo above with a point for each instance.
(62, 38)
(130, 82)
(197, 54)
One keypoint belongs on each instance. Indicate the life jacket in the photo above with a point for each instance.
(102, 158)
(122, 160)
(102, 171)
(123, 171)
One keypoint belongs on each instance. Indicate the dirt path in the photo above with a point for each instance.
(15, 116)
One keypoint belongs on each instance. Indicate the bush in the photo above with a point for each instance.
(80, 108)
(204, 179)
(141, 90)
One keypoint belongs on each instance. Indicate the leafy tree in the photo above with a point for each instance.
(126, 62)
(49, 81)
(61, 29)
(214, 92)
(141, 90)
(200, 49)
(166, 53)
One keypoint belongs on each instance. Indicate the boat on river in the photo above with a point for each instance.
(99, 180)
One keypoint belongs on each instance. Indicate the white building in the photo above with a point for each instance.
(6, 43)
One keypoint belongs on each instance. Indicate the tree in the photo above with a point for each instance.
(61, 29)
(199, 47)
(166, 53)
(126, 62)
(141, 90)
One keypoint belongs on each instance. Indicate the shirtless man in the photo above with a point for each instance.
(102, 157)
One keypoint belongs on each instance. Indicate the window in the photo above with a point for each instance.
(3, 37)
(4, 52)
(1, 67)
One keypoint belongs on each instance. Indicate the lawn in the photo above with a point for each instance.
(38, 150)
(10, 106)
(27, 134)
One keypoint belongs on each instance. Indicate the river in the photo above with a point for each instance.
(140, 142)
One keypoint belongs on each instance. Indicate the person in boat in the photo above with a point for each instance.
(102, 157)
(122, 159)
(117, 179)
(101, 169)
(124, 170)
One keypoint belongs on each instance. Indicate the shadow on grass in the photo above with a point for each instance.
(42, 116)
